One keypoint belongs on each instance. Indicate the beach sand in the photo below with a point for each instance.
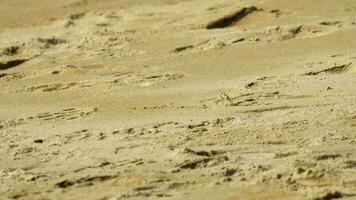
(178, 99)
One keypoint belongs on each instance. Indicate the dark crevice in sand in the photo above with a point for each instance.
(332, 70)
(84, 180)
(179, 49)
(330, 23)
(333, 195)
(12, 63)
(231, 19)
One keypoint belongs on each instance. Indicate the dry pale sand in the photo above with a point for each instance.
(178, 99)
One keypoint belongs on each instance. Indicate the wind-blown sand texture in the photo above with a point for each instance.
(178, 99)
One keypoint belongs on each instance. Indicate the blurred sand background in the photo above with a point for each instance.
(178, 99)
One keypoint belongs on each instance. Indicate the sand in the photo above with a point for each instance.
(178, 99)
